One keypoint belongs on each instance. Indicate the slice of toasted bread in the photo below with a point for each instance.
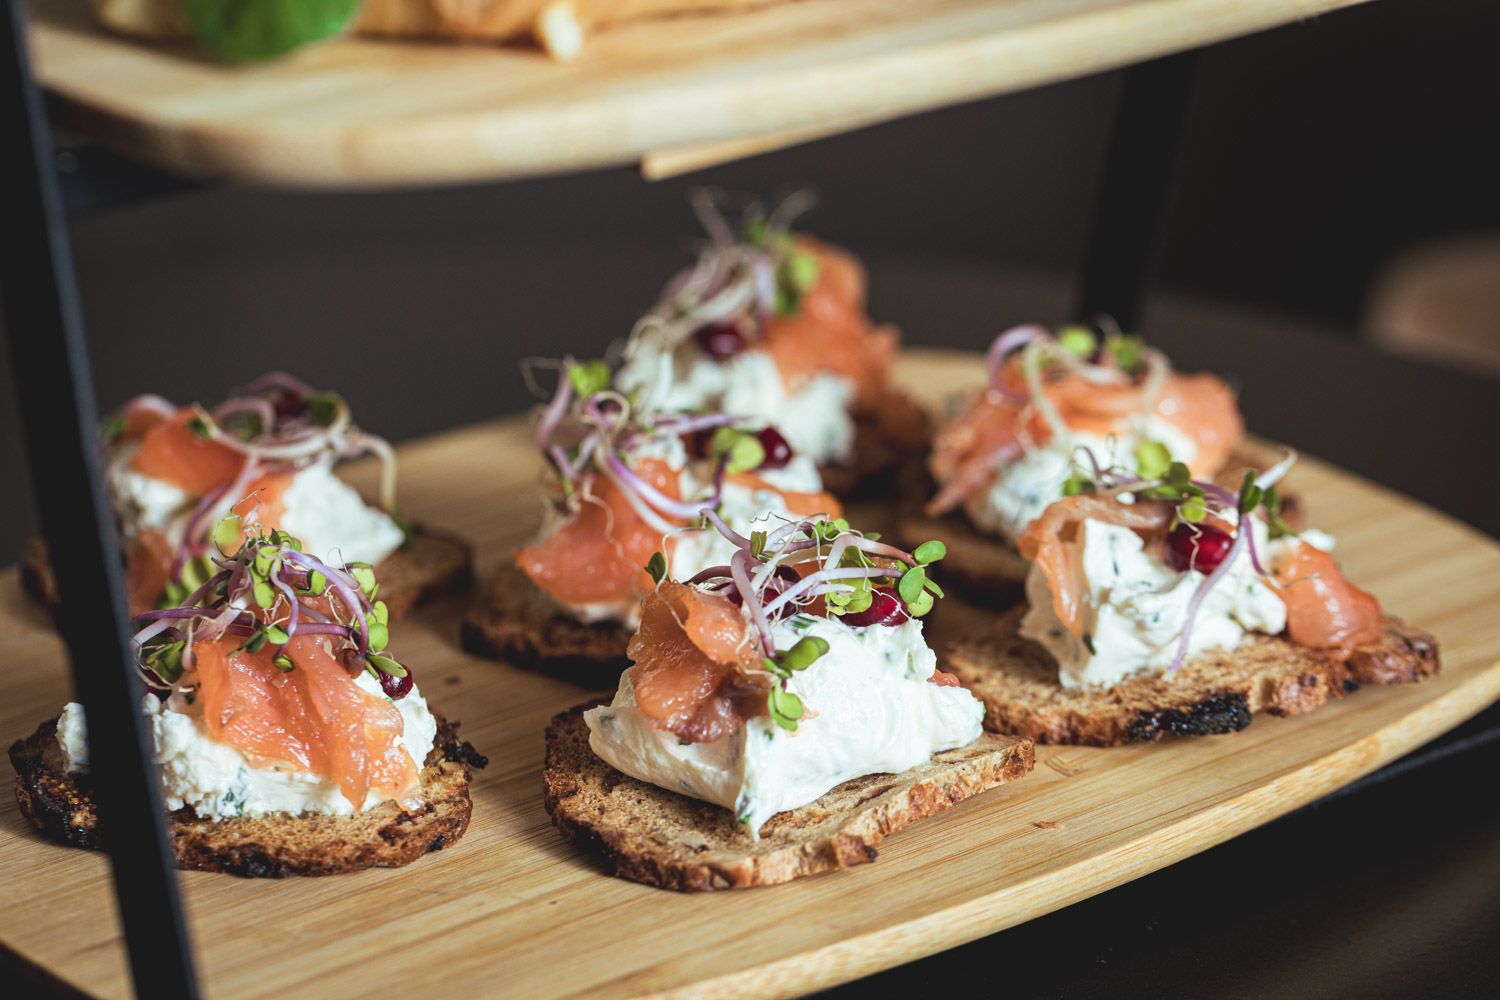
(430, 564)
(513, 620)
(1215, 692)
(61, 806)
(651, 835)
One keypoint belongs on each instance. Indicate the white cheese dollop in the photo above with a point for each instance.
(814, 419)
(216, 780)
(1135, 606)
(328, 515)
(870, 708)
(1025, 487)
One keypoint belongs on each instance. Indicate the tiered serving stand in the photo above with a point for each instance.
(512, 908)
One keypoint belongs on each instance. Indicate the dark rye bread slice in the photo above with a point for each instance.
(648, 834)
(513, 620)
(429, 565)
(61, 806)
(1215, 692)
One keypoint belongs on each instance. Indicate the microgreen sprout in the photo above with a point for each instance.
(588, 429)
(277, 424)
(788, 570)
(1193, 502)
(267, 593)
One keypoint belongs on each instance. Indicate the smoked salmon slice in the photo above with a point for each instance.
(599, 553)
(311, 718)
(171, 452)
(694, 664)
(1323, 609)
(830, 333)
(964, 452)
(148, 567)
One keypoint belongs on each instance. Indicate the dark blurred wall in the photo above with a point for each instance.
(1316, 151)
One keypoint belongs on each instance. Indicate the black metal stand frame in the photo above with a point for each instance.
(44, 324)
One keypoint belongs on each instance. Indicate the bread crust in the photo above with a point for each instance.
(890, 445)
(1216, 692)
(650, 835)
(429, 565)
(514, 621)
(61, 806)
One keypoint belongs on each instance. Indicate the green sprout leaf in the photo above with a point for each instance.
(1078, 341)
(227, 533)
(785, 708)
(1077, 483)
(316, 583)
(200, 427)
(808, 650)
(1127, 349)
(364, 575)
(379, 636)
(248, 30)
(386, 665)
(657, 567)
(588, 377)
(277, 635)
(265, 595)
(911, 584)
(323, 407)
(758, 544)
(1192, 509)
(921, 605)
(283, 662)
(1152, 459)
(929, 552)
(744, 449)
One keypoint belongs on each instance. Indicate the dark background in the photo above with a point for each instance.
(1318, 154)
(1315, 153)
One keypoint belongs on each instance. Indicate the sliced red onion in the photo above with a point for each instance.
(1002, 346)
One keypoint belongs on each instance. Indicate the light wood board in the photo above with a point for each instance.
(515, 908)
(359, 112)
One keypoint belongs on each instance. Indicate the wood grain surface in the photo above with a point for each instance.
(361, 112)
(514, 909)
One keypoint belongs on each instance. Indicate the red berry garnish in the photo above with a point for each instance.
(396, 688)
(720, 340)
(778, 451)
(1197, 546)
(885, 609)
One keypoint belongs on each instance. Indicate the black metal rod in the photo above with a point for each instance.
(50, 365)
(1136, 191)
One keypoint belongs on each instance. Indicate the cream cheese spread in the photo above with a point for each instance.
(218, 782)
(870, 708)
(1135, 606)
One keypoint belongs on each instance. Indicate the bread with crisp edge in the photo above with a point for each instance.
(1217, 691)
(648, 834)
(61, 806)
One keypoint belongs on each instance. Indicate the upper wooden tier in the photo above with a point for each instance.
(361, 113)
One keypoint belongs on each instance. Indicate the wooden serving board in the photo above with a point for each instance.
(362, 112)
(514, 908)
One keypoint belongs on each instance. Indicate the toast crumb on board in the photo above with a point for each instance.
(651, 835)
(1215, 692)
(430, 564)
(60, 805)
(513, 620)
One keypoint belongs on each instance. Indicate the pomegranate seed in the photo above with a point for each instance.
(1197, 546)
(396, 688)
(778, 451)
(720, 340)
(885, 609)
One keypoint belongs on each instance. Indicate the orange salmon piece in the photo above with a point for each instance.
(148, 567)
(691, 657)
(169, 451)
(599, 554)
(312, 718)
(1323, 609)
(830, 332)
(1204, 408)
